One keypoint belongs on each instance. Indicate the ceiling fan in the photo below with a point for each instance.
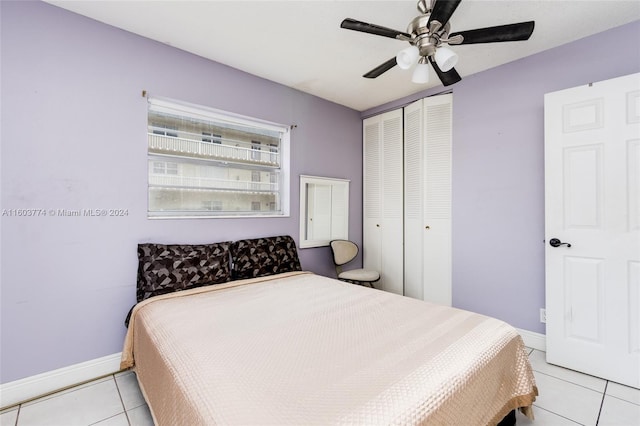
(428, 32)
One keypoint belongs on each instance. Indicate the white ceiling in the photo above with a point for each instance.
(300, 43)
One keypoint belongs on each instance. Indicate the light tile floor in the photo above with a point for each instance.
(567, 398)
(112, 401)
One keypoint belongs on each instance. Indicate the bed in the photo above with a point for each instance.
(268, 344)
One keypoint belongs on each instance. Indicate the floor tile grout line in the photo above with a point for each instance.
(100, 421)
(559, 415)
(18, 414)
(602, 402)
(586, 387)
(622, 398)
(617, 397)
(574, 383)
(122, 400)
(569, 369)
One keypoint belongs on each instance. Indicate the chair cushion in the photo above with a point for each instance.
(360, 275)
(343, 251)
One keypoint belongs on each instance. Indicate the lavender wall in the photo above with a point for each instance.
(498, 170)
(73, 137)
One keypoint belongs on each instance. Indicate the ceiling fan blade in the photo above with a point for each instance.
(352, 24)
(510, 32)
(381, 69)
(448, 78)
(442, 11)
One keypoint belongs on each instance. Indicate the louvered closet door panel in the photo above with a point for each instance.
(413, 200)
(372, 193)
(383, 199)
(392, 202)
(437, 198)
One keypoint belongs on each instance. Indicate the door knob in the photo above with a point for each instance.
(554, 242)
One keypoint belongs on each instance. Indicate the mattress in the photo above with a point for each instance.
(297, 348)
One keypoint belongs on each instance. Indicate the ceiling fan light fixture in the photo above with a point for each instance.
(421, 73)
(407, 57)
(446, 58)
(428, 33)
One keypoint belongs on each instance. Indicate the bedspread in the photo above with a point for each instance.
(298, 348)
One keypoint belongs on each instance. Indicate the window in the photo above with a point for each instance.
(212, 205)
(273, 149)
(163, 129)
(209, 163)
(164, 168)
(211, 138)
(255, 150)
(255, 177)
(159, 167)
(171, 168)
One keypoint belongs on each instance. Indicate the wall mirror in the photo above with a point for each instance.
(324, 210)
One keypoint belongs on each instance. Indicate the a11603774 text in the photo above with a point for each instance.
(65, 212)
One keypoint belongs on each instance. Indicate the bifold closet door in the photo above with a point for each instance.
(427, 215)
(413, 200)
(383, 199)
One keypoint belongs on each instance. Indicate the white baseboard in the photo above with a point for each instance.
(534, 340)
(13, 393)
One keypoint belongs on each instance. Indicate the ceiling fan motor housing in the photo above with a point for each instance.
(422, 38)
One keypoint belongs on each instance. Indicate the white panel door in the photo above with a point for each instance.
(592, 221)
(383, 199)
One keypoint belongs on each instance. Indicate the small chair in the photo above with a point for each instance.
(345, 251)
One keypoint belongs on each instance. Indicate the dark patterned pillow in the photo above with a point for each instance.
(264, 256)
(168, 268)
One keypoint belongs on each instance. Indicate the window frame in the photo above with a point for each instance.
(203, 113)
